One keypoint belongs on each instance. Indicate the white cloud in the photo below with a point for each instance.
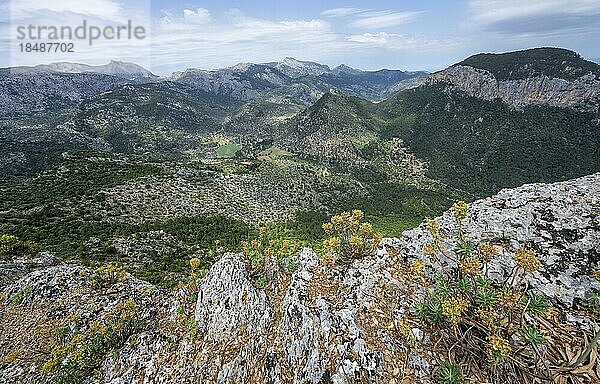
(372, 19)
(534, 17)
(73, 13)
(383, 19)
(402, 42)
(198, 38)
(103, 9)
(240, 37)
(198, 16)
(341, 12)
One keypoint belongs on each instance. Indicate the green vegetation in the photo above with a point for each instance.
(74, 177)
(348, 238)
(273, 153)
(22, 294)
(394, 207)
(79, 347)
(480, 146)
(472, 314)
(12, 246)
(449, 374)
(270, 255)
(551, 62)
(228, 150)
(107, 276)
(594, 303)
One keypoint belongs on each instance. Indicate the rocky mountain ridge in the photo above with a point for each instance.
(323, 324)
(116, 68)
(302, 81)
(28, 90)
(582, 94)
(541, 76)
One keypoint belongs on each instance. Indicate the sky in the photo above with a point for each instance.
(408, 35)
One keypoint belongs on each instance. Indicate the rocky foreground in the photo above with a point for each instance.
(343, 324)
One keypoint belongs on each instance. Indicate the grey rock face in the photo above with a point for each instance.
(120, 69)
(560, 221)
(582, 94)
(13, 270)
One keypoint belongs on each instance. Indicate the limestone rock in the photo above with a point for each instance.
(581, 94)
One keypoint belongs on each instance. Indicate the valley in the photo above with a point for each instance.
(283, 145)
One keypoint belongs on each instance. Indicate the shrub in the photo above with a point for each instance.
(472, 314)
(348, 238)
(107, 276)
(79, 348)
(12, 246)
(269, 255)
(22, 294)
(449, 374)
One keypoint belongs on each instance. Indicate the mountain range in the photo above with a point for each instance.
(285, 142)
(220, 192)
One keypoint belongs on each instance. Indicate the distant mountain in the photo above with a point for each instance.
(119, 69)
(482, 124)
(25, 90)
(337, 127)
(343, 69)
(29, 90)
(302, 81)
(541, 76)
(477, 126)
(161, 117)
(296, 68)
(469, 137)
(556, 63)
(244, 81)
(481, 146)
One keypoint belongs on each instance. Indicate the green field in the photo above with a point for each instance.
(228, 150)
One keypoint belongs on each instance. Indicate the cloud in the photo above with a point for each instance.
(402, 42)
(383, 19)
(341, 12)
(195, 37)
(103, 9)
(99, 14)
(372, 19)
(188, 18)
(238, 37)
(534, 17)
(199, 16)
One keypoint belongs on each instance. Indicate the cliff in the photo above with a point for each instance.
(581, 94)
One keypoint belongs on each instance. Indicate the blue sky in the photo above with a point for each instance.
(408, 35)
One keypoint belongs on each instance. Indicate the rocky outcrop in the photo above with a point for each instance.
(320, 325)
(581, 94)
(560, 221)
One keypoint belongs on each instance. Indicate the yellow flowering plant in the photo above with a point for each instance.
(471, 312)
(269, 254)
(107, 275)
(348, 238)
(78, 348)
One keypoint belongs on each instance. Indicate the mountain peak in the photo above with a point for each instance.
(298, 68)
(115, 68)
(546, 61)
(343, 68)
